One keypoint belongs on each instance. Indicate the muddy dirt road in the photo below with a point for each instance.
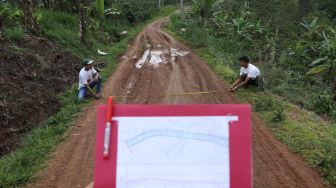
(155, 69)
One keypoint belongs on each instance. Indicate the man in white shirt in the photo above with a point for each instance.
(249, 74)
(88, 79)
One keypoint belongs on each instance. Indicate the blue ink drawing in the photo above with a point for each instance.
(220, 141)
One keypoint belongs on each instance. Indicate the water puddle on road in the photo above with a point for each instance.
(156, 57)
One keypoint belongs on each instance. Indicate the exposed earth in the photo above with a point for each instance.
(33, 73)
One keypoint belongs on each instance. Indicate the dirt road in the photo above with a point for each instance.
(155, 69)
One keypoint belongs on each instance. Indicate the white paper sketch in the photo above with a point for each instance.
(173, 152)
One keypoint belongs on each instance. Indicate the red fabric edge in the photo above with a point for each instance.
(240, 131)
(240, 152)
(101, 179)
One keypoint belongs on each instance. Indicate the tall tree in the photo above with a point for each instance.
(100, 6)
(47, 4)
(28, 7)
(82, 19)
(181, 7)
(207, 8)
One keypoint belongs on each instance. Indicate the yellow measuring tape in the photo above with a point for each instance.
(178, 94)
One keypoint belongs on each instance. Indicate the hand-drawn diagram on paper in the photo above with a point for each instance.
(173, 152)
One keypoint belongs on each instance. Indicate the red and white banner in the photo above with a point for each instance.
(175, 146)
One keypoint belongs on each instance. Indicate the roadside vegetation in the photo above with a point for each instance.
(81, 28)
(293, 42)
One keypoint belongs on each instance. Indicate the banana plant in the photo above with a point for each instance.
(203, 8)
(208, 7)
(326, 63)
(221, 21)
(196, 7)
(243, 25)
(111, 11)
(311, 27)
(3, 10)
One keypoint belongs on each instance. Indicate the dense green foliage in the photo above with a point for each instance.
(118, 13)
(302, 131)
(16, 33)
(294, 46)
(136, 11)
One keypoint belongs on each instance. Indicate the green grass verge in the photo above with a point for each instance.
(302, 131)
(17, 168)
(14, 33)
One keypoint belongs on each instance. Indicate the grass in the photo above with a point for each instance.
(17, 168)
(304, 132)
(14, 33)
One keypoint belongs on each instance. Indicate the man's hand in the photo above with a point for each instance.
(233, 89)
(97, 96)
(96, 77)
(90, 185)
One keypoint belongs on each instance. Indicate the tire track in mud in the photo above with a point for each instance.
(72, 163)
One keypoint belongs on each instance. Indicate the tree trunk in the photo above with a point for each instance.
(334, 88)
(181, 7)
(29, 19)
(101, 19)
(46, 4)
(82, 20)
(0, 25)
(100, 6)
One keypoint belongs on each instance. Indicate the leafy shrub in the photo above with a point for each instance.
(324, 103)
(10, 15)
(16, 33)
(60, 26)
(274, 76)
(175, 21)
(265, 104)
(243, 26)
(278, 115)
(49, 19)
(168, 9)
(328, 160)
(226, 72)
(136, 11)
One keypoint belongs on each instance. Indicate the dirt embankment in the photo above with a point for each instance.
(33, 73)
(156, 69)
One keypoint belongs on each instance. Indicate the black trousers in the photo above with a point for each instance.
(254, 81)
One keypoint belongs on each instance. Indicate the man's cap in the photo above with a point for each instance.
(87, 62)
(244, 58)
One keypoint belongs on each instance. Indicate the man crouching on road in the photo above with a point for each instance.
(249, 74)
(88, 79)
